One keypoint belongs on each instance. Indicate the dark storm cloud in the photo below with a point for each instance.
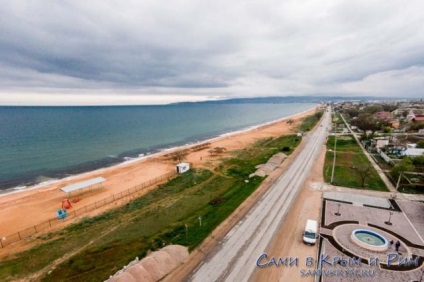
(204, 49)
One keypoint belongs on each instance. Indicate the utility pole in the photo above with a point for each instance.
(398, 182)
(334, 152)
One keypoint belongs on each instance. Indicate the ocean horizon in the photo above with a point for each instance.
(39, 144)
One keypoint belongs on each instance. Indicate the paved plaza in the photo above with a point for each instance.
(392, 220)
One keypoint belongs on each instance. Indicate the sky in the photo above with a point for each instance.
(154, 52)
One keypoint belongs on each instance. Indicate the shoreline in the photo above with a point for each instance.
(42, 201)
(145, 157)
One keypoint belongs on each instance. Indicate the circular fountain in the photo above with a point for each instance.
(369, 240)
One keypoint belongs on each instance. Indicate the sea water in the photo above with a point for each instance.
(42, 143)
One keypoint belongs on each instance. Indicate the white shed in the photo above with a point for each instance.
(182, 167)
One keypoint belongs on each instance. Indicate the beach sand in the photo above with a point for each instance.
(33, 206)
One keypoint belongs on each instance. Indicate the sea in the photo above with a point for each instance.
(41, 144)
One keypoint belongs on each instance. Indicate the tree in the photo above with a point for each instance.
(405, 113)
(372, 109)
(217, 150)
(179, 155)
(352, 112)
(404, 166)
(416, 126)
(318, 114)
(365, 122)
(389, 108)
(418, 161)
(363, 172)
(387, 129)
(420, 144)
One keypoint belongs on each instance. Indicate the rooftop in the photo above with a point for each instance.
(81, 185)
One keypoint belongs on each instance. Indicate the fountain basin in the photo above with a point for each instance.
(369, 240)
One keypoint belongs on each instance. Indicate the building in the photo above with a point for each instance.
(386, 116)
(182, 167)
(418, 119)
(412, 152)
(394, 123)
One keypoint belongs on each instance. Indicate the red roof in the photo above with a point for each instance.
(383, 115)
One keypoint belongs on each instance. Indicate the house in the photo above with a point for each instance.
(418, 119)
(382, 143)
(394, 123)
(412, 152)
(386, 116)
(182, 167)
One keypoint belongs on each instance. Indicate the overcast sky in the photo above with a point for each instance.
(143, 52)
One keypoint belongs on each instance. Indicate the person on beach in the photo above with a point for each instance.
(390, 244)
(397, 245)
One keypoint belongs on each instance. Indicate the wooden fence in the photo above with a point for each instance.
(72, 214)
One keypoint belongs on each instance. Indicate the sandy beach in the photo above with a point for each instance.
(30, 207)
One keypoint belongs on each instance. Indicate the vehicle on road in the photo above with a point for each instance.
(310, 235)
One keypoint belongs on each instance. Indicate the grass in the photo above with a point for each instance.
(310, 121)
(149, 222)
(350, 155)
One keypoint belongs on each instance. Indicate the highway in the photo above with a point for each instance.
(234, 258)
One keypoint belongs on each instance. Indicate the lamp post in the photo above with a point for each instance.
(200, 221)
(388, 222)
(338, 210)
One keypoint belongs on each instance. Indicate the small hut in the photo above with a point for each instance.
(182, 167)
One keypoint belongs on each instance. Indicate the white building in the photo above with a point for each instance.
(413, 152)
(182, 167)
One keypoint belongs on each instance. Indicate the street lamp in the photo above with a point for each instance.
(388, 222)
(338, 210)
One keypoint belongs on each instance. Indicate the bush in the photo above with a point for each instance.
(216, 201)
(285, 149)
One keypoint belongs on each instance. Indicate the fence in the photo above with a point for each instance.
(27, 233)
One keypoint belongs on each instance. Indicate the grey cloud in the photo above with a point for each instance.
(217, 48)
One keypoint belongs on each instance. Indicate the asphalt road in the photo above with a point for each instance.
(234, 258)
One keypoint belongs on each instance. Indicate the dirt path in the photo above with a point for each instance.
(37, 275)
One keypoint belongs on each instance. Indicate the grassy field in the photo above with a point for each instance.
(349, 158)
(101, 245)
(310, 121)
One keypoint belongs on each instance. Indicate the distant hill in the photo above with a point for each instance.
(287, 99)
